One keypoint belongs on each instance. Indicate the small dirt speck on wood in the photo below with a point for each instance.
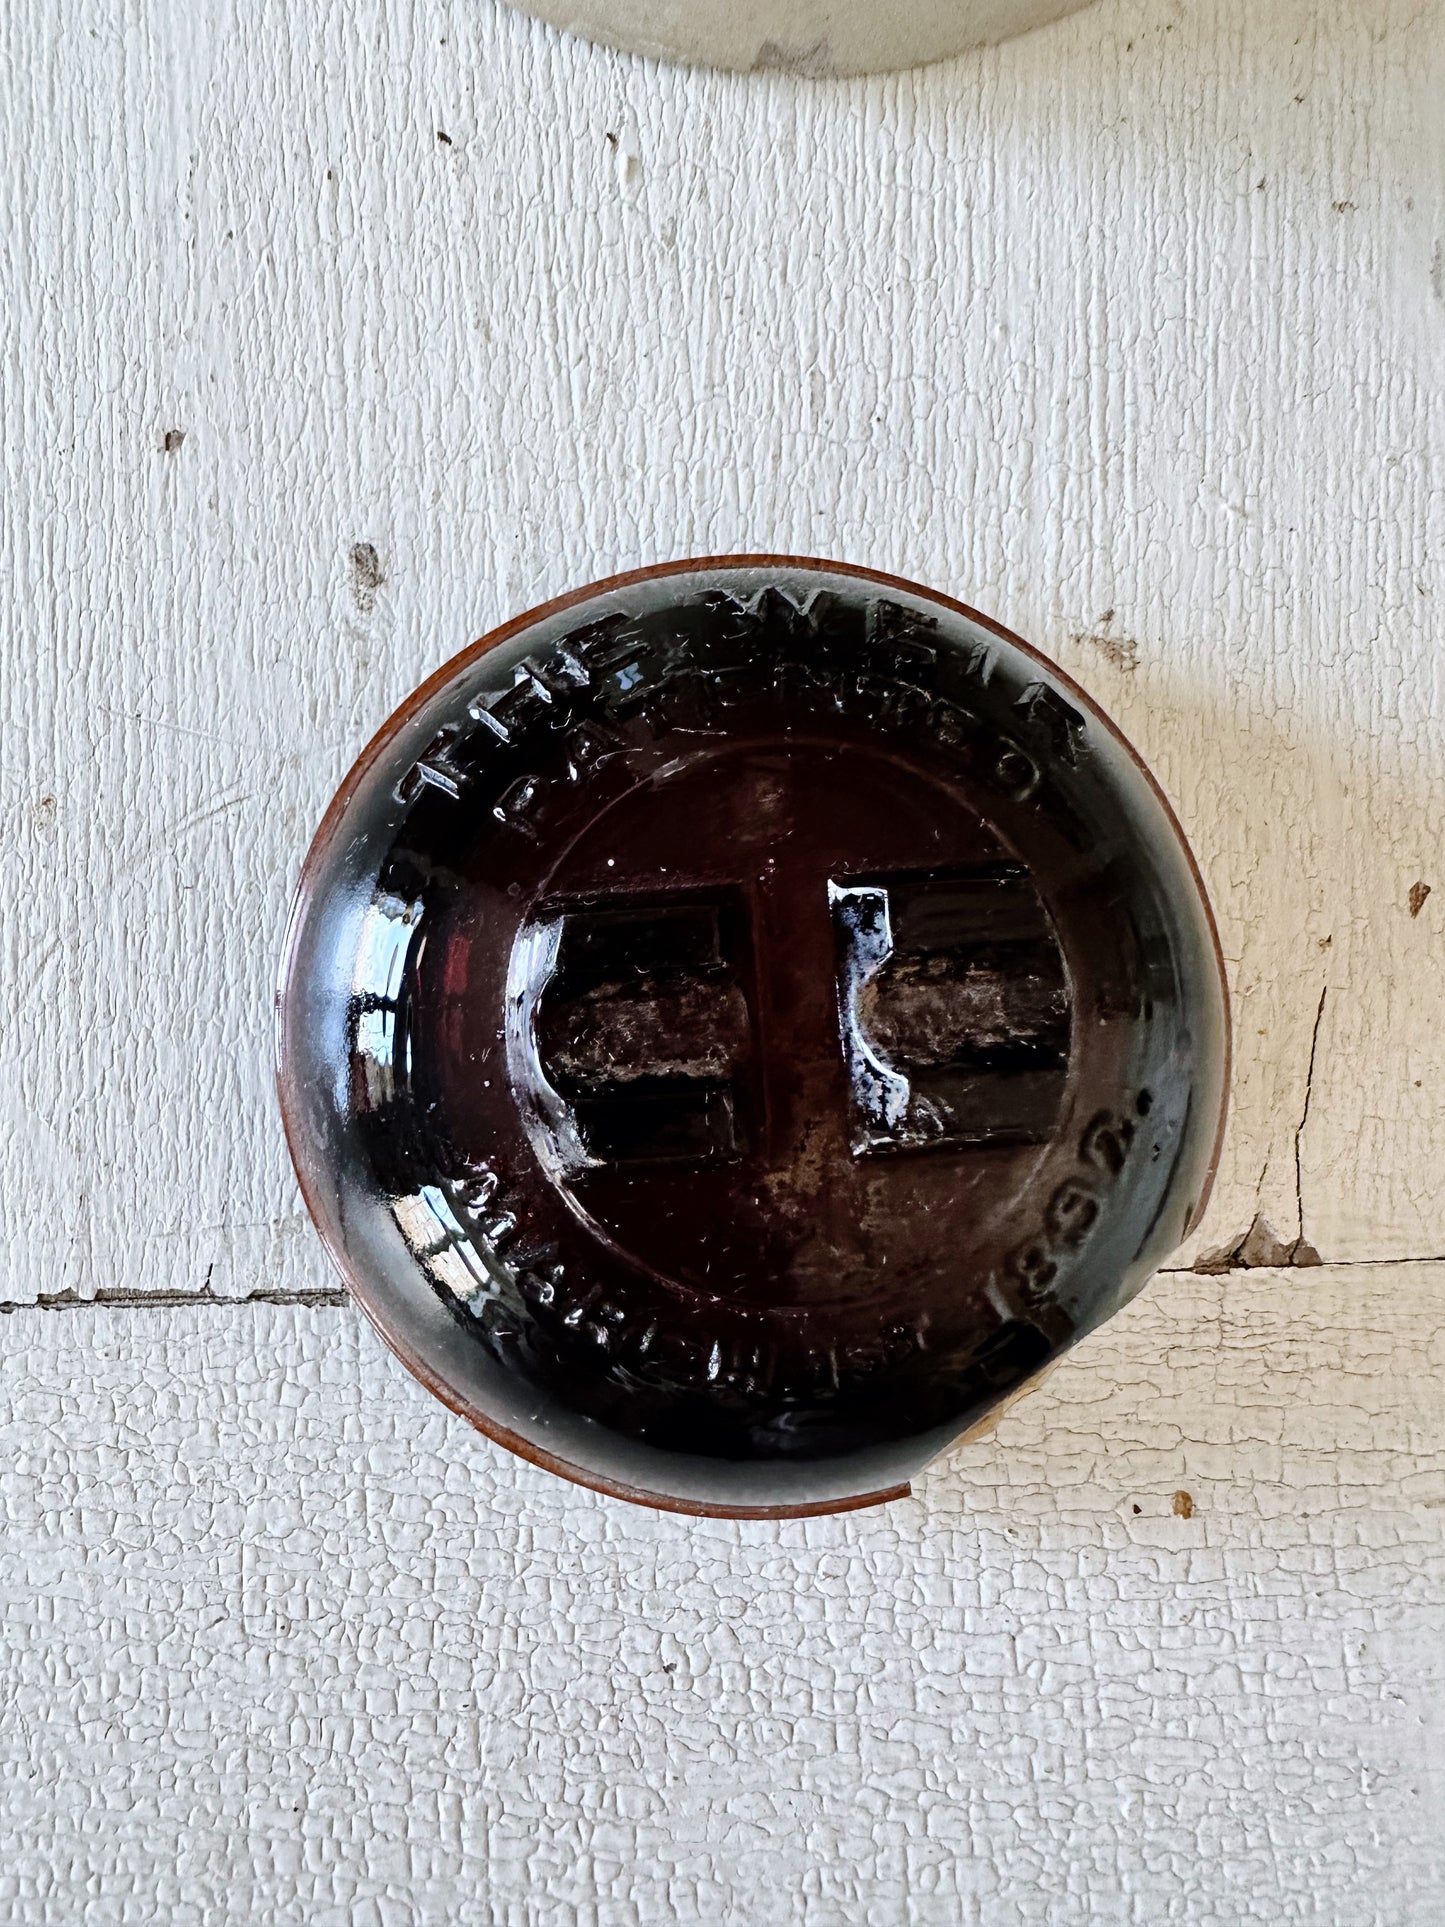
(367, 574)
(1183, 1505)
(1121, 651)
(1418, 894)
(172, 440)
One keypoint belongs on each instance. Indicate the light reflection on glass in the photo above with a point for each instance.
(386, 934)
(387, 930)
(437, 1237)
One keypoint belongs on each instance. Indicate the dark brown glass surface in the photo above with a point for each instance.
(778, 1016)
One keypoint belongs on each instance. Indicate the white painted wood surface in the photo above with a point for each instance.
(334, 334)
(284, 1643)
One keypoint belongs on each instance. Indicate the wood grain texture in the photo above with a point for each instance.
(1129, 332)
(285, 1642)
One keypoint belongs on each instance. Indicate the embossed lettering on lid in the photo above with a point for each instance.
(741, 1025)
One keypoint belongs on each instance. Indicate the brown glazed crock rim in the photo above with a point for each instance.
(360, 1287)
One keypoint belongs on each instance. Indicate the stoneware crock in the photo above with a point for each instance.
(812, 38)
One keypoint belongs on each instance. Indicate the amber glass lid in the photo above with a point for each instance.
(740, 1022)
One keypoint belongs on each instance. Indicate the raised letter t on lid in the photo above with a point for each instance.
(740, 1022)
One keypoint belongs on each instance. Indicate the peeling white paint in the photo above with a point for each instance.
(1073, 328)
(286, 1642)
(332, 337)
